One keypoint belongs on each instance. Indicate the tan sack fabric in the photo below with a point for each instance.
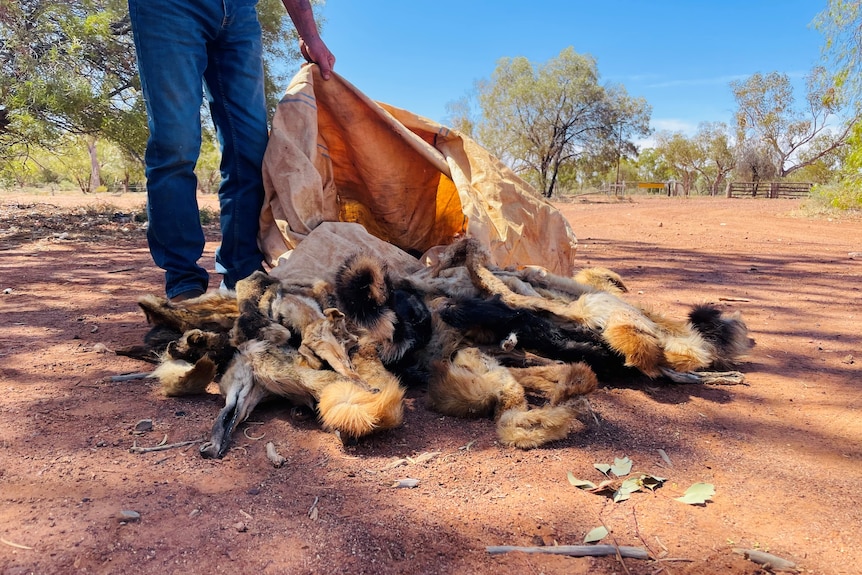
(334, 155)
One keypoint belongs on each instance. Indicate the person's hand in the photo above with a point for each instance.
(317, 52)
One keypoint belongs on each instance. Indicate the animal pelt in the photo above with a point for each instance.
(394, 319)
(354, 396)
(521, 346)
(644, 340)
(474, 384)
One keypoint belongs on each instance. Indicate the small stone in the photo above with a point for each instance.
(7, 291)
(194, 513)
(240, 527)
(144, 425)
(100, 348)
(128, 516)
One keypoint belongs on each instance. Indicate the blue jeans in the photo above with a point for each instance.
(188, 49)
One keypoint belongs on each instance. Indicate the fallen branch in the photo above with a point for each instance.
(575, 550)
(130, 376)
(767, 560)
(742, 299)
(135, 449)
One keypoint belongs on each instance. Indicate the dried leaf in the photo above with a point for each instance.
(652, 482)
(698, 494)
(665, 457)
(580, 483)
(603, 467)
(424, 457)
(596, 534)
(622, 466)
(607, 487)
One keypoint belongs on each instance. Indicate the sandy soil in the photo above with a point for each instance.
(783, 451)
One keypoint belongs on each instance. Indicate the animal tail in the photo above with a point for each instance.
(728, 334)
(531, 428)
(473, 385)
(179, 377)
(355, 412)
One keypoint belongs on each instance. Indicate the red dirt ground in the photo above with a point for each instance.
(783, 451)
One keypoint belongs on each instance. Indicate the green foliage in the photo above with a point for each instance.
(844, 195)
(542, 119)
(768, 119)
(841, 25)
(69, 68)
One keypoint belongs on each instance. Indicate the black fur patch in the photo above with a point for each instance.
(707, 320)
(562, 341)
(363, 289)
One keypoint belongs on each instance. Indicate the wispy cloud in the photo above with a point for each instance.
(673, 125)
(717, 80)
(714, 81)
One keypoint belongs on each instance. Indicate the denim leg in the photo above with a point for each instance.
(235, 90)
(171, 42)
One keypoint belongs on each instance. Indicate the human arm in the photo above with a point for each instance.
(310, 43)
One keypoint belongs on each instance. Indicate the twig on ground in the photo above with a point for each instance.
(130, 376)
(575, 550)
(273, 455)
(768, 560)
(162, 447)
(15, 545)
(742, 299)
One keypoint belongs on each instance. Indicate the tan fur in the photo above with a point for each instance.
(178, 377)
(647, 340)
(473, 384)
(601, 279)
(535, 427)
(355, 411)
(557, 382)
(339, 367)
(214, 310)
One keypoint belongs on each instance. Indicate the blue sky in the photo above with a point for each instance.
(678, 55)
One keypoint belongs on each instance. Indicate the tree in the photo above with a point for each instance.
(841, 24)
(682, 157)
(795, 138)
(715, 155)
(70, 68)
(542, 118)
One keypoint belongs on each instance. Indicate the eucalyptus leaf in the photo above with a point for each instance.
(580, 483)
(603, 467)
(698, 494)
(596, 534)
(652, 482)
(628, 487)
(622, 466)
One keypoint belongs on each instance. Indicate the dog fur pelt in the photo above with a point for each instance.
(521, 346)
(644, 340)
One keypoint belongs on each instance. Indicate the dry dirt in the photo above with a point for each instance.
(783, 451)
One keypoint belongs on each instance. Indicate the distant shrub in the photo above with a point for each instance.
(845, 195)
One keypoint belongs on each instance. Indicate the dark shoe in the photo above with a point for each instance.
(190, 294)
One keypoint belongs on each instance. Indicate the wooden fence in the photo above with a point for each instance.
(768, 189)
